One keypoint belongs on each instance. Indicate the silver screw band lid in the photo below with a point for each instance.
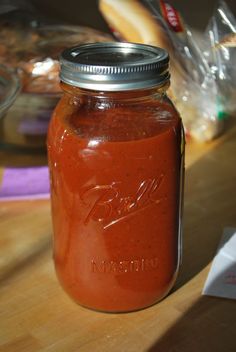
(114, 66)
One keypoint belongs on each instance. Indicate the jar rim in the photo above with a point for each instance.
(114, 66)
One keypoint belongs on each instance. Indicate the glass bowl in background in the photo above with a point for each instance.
(35, 56)
(25, 125)
(9, 89)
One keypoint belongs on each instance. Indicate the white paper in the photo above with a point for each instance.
(221, 280)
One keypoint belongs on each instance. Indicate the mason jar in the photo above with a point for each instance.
(116, 151)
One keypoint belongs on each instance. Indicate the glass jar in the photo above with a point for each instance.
(115, 149)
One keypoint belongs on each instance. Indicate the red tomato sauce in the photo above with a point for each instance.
(115, 183)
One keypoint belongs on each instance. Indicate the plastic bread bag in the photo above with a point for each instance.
(193, 86)
(221, 55)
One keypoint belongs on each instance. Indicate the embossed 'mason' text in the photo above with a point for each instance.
(124, 266)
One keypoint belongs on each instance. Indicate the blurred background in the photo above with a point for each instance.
(195, 13)
(32, 50)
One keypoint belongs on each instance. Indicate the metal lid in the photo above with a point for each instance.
(114, 66)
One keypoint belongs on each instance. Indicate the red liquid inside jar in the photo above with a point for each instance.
(116, 162)
(115, 198)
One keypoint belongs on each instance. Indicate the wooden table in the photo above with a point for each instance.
(36, 315)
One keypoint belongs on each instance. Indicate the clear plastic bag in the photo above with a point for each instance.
(194, 88)
(201, 96)
(221, 55)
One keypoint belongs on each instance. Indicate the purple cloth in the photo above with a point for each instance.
(25, 183)
(35, 127)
